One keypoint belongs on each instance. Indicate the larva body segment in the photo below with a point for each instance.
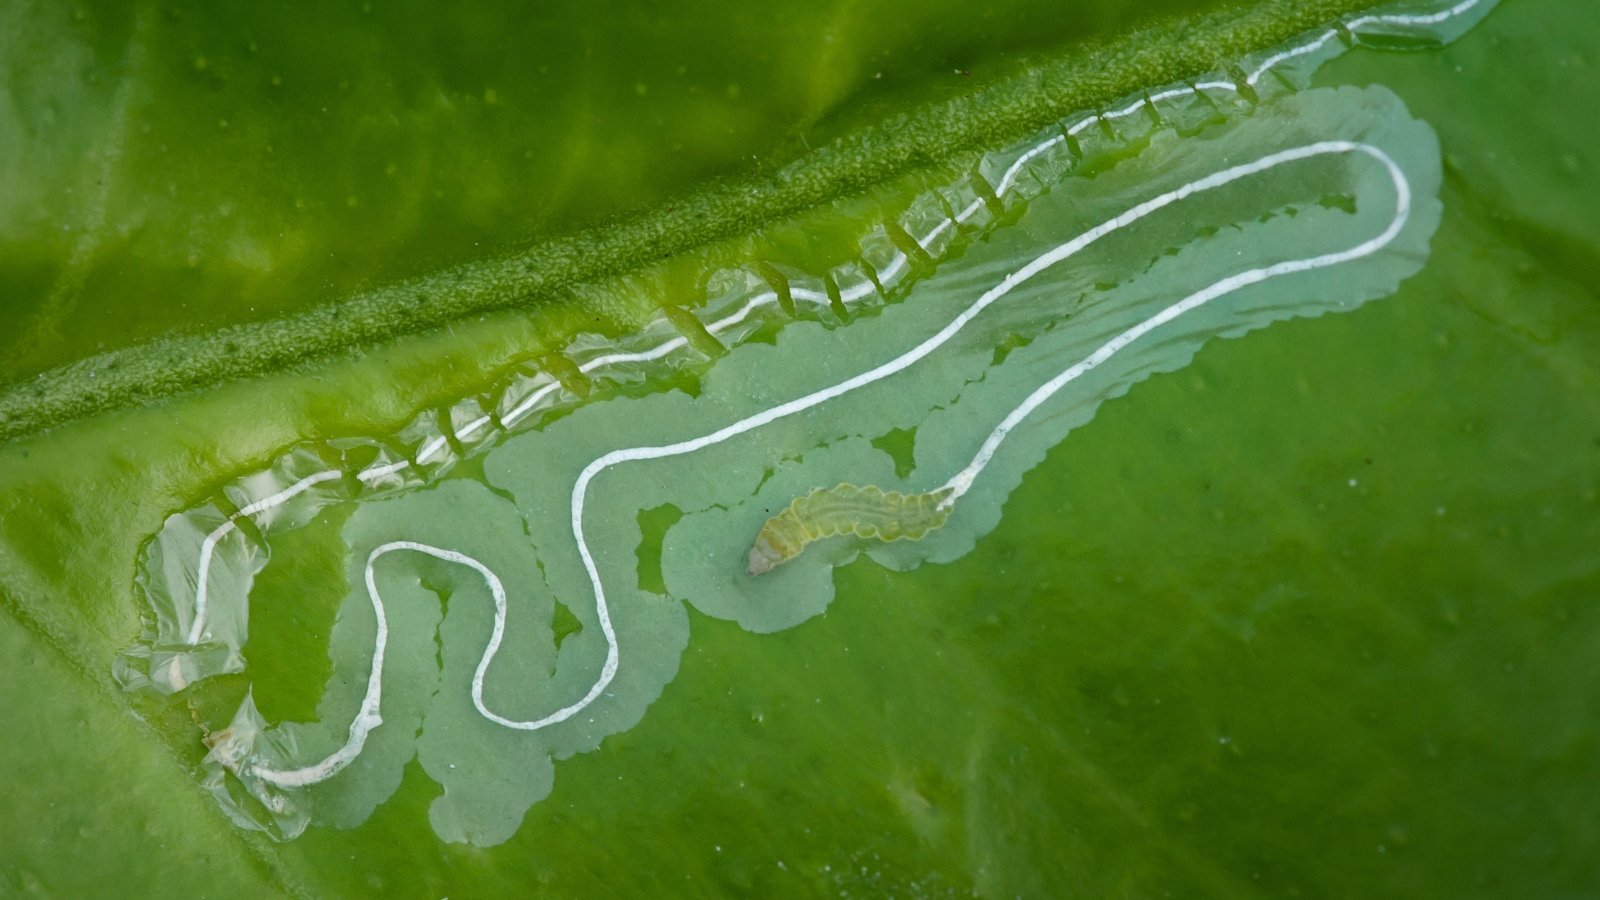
(867, 512)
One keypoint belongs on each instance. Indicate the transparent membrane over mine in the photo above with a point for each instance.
(479, 602)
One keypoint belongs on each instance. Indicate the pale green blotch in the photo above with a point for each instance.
(952, 400)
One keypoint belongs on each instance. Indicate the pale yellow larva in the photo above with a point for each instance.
(866, 512)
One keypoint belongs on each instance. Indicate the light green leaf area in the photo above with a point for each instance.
(1307, 611)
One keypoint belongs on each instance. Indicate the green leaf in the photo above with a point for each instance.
(1313, 613)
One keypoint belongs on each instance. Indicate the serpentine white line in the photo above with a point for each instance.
(368, 717)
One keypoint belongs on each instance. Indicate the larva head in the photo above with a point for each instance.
(764, 557)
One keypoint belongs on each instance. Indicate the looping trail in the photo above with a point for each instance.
(368, 718)
(959, 484)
